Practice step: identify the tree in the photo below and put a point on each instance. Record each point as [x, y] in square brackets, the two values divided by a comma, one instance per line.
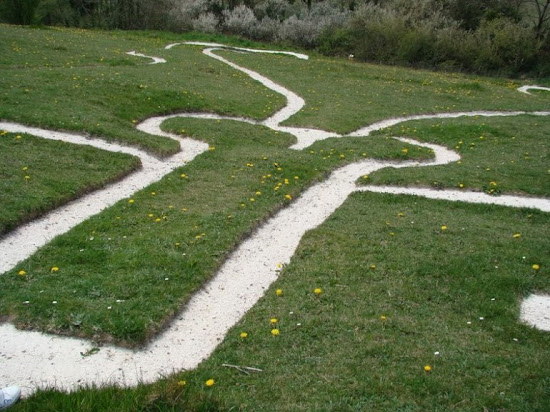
[19, 11]
[542, 18]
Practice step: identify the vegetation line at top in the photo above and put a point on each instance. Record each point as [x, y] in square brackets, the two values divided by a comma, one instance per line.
[503, 37]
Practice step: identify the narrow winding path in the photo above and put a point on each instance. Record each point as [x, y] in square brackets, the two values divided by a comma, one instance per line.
[34, 359]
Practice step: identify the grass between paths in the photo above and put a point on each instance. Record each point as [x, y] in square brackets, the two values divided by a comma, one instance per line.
[344, 96]
[498, 155]
[377, 256]
[124, 273]
[84, 81]
[398, 293]
[38, 175]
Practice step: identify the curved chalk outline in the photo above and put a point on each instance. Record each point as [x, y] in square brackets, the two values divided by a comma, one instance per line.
[237, 286]
[156, 60]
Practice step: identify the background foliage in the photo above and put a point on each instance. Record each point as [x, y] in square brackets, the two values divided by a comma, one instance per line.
[505, 37]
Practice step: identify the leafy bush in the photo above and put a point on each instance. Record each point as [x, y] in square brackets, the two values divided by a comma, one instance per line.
[207, 23]
[505, 45]
[305, 30]
[56, 12]
[337, 42]
[377, 32]
[240, 20]
[278, 10]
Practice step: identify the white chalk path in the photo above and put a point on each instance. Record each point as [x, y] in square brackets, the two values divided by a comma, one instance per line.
[34, 359]
[156, 60]
[525, 89]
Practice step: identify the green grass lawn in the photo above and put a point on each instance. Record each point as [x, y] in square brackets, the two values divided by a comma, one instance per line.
[377, 256]
[38, 175]
[499, 155]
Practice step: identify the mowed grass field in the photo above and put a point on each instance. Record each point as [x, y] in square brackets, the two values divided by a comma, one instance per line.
[399, 292]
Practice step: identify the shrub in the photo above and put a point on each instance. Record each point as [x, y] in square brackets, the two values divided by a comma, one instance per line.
[505, 46]
[240, 20]
[306, 30]
[186, 12]
[266, 29]
[416, 47]
[377, 32]
[56, 12]
[207, 23]
[337, 42]
[278, 10]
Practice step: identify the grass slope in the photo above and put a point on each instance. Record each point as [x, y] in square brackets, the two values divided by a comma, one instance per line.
[378, 255]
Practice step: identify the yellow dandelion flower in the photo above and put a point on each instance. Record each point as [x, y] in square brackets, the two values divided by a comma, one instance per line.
[211, 148]
[288, 197]
[365, 177]
[444, 227]
[252, 199]
[279, 292]
[150, 215]
[536, 267]
[21, 273]
[258, 193]
[131, 201]
[210, 382]
[55, 269]
[183, 176]
[273, 321]
[18, 136]
[317, 291]
[405, 150]
[461, 185]
[243, 335]
[516, 235]
[27, 177]
[275, 332]
[383, 318]
[182, 383]
[373, 267]
[427, 368]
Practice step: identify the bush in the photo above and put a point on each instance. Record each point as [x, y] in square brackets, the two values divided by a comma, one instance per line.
[240, 20]
[56, 12]
[266, 30]
[278, 10]
[505, 46]
[207, 23]
[337, 42]
[377, 33]
[416, 47]
[306, 30]
[186, 12]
